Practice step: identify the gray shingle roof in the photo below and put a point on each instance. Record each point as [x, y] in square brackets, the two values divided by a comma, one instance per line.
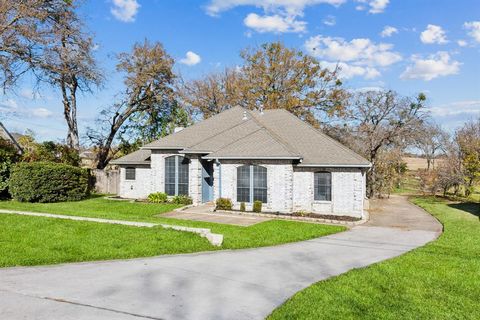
[272, 134]
[137, 157]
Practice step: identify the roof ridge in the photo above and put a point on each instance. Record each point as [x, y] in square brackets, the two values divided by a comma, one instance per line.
[325, 135]
[193, 125]
[275, 136]
[221, 132]
[233, 142]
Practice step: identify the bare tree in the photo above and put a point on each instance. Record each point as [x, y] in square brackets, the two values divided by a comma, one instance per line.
[377, 122]
[24, 27]
[47, 38]
[430, 140]
[148, 88]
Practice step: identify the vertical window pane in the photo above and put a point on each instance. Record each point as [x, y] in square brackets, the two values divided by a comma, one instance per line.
[260, 184]
[243, 184]
[129, 173]
[182, 176]
[323, 186]
[170, 175]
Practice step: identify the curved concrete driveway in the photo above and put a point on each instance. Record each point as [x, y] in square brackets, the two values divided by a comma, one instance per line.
[244, 284]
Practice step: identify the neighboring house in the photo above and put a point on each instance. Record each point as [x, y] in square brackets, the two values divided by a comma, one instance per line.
[249, 155]
[12, 138]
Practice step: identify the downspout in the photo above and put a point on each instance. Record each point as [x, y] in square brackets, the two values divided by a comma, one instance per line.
[219, 165]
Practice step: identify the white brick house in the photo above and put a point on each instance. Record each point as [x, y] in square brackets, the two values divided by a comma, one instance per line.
[246, 156]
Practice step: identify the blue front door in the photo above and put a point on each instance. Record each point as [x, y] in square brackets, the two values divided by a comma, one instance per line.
[207, 181]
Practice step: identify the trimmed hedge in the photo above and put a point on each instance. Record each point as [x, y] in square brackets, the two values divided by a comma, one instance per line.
[223, 204]
[157, 197]
[257, 206]
[48, 182]
[182, 199]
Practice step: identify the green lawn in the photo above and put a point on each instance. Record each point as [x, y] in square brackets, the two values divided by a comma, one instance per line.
[438, 281]
[27, 241]
[263, 234]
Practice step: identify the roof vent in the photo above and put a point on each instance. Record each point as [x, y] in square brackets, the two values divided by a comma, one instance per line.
[245, 115]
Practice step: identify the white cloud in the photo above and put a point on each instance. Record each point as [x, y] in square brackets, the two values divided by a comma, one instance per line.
[436, 65]
[473, 28]
[358, 57]
[274, 23]
[376, 6]
[278, 15]
[388, 31]
[348, 71]
[191, 59]
[469, 107]
[28, 94]
[433, 34]
[329, 21]
[462, 43]
[42, 113]
[11, 107]
[125, 10]
[293, 7]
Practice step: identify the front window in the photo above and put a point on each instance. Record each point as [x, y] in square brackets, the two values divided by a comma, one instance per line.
[130, 173]
[251, 183]
[176, 175]
[323, 186]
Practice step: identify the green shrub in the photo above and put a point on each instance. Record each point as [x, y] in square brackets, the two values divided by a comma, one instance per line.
[182, 199]
[242, 207]
[257, 206]
[48, 182]
[157, 197]
[8, 156]
[223, 204]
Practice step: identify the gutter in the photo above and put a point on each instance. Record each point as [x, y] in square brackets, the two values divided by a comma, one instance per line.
[161, 148]
[335, 165]
[252, 158]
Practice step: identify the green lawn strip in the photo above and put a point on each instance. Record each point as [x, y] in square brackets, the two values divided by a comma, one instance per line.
[438, 281]
[27, 241]
[267, 233]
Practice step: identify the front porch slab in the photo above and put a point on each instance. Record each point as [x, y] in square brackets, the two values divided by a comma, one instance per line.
[204, 213]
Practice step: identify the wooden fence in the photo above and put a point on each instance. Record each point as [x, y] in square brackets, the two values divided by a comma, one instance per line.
[107, 181]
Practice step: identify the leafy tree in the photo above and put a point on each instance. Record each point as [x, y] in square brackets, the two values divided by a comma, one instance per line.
[272, 76]
[468, 140]
[211, 94]
[148, 96]
[47, 151]
[8, 156]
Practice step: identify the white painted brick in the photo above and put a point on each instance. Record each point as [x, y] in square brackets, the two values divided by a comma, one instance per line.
[290, 188]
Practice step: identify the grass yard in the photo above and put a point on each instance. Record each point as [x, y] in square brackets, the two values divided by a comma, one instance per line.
[438, 281]
[27, 241]
[267, 233]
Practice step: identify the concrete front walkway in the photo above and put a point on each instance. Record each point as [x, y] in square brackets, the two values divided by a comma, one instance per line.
[229, 218]
[242, 284]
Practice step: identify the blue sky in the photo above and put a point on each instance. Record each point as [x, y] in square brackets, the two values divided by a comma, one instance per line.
[411, 46]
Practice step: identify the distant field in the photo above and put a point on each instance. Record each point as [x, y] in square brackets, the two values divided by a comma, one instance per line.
[414, 163]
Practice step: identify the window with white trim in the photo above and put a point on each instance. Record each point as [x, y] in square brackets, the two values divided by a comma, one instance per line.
[176, 175]
[323, 186]
[251, 183]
